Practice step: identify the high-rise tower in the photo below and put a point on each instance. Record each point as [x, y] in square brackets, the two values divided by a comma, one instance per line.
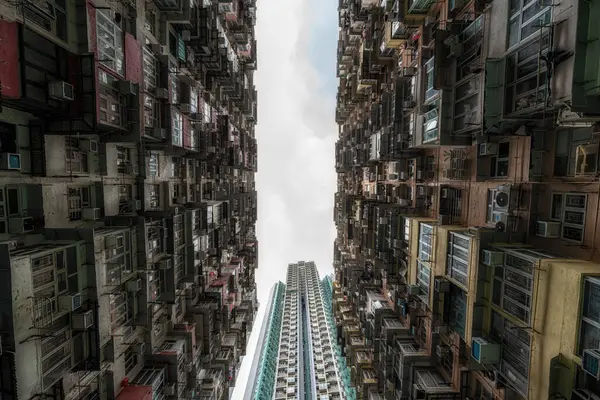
[297, 356]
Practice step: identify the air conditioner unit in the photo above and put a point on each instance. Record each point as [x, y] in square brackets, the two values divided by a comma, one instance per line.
[485, 353]
[134, 285]
[409, 104]
[185, 108]
[392, 177]
[409, 71]
[20, 225]
[547, 229]
[413, 290]
[132, 169]
[126, 87]
[493, 258]
[135, 205]
[10, 161]
[442, 351]
[441, 285]
[159, 49]
[159, 133]
[161, 93]
[488, 149]
[82, 321]
[419, 175]
[88, 145]
[165, 264]
[421, 190]
[91, 214]
[113, 241]
[70, 302]
[591, 362]
[404, 202]
[169, 389]
[383, 220]
[441, 329]
[402, 176]
[139, 348]
[445, 193]
[61, 90]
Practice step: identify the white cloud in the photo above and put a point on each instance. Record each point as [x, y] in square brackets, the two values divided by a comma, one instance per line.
[296, 133]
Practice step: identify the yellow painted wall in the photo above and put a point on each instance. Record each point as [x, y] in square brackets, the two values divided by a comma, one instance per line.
[556, 323]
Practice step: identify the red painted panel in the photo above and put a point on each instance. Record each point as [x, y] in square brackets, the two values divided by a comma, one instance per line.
[92, 34]
[187, 137]
[74, 73]
[134, 68]
[133, 59]
[9, 59]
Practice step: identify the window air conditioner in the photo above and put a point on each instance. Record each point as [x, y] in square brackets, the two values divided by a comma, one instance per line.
[113, 241]
[20, 225]
[159, 133]
[134, 285]
[488, 149]
[88, 145]
[82, 321]
[165, 264]
[161, 93]
[158, 49]
[591, 362]
[441, 285]
[91, 214]
[169, 389]
[185, 108]
[126, 87]
[61, 90]
[139, 348]
[413, 290]
[493, 258]
[135, 205]
[70, 302]
[485, 353]
[547, 229]
[10, 161]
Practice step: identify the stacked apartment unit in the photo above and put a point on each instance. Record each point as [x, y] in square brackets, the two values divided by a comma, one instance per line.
[466, 262]
[127, 197]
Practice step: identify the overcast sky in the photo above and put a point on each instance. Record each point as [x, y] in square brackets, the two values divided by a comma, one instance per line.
[296, 132]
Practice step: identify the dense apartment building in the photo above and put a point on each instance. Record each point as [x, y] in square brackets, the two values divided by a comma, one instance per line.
[466, 262]
[297, 356]
[127, 197]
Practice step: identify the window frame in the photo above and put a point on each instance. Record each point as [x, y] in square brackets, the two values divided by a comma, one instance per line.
[564, 209]
[114, 41]
[112, 99]
[517, 14]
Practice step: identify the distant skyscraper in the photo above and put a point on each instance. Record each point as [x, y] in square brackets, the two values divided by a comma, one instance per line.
[297, 356]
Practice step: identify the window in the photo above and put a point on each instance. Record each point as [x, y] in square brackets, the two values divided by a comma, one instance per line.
[565, 150]
[516, 351]
[174, 83]
[153, 164]
[499, 163]
[430, 91]
[590, 316]
[527, 17]
[150, 21]
[176, 127]
[457, 266]
[425, 242]
[50, 15]
[150, 71]
[125, 194]
[76, 160]
[406, 229]
[512, 287]
[526, 77]
[110, 43]
[123, 159]
[423, 278]
[13, 201]
[118, 311]
[110, 100]
[570, 208]
[130, 359]
[154, 193]
[75, 203]
[151, 112]
[430, 126]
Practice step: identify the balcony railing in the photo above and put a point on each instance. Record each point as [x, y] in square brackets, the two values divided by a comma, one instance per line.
[419, 6]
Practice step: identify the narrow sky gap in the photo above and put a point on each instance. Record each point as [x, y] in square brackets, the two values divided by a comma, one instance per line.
[296, 132]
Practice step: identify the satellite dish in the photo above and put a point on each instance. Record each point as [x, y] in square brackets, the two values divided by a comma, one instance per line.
[502, 199]
[500, 226]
